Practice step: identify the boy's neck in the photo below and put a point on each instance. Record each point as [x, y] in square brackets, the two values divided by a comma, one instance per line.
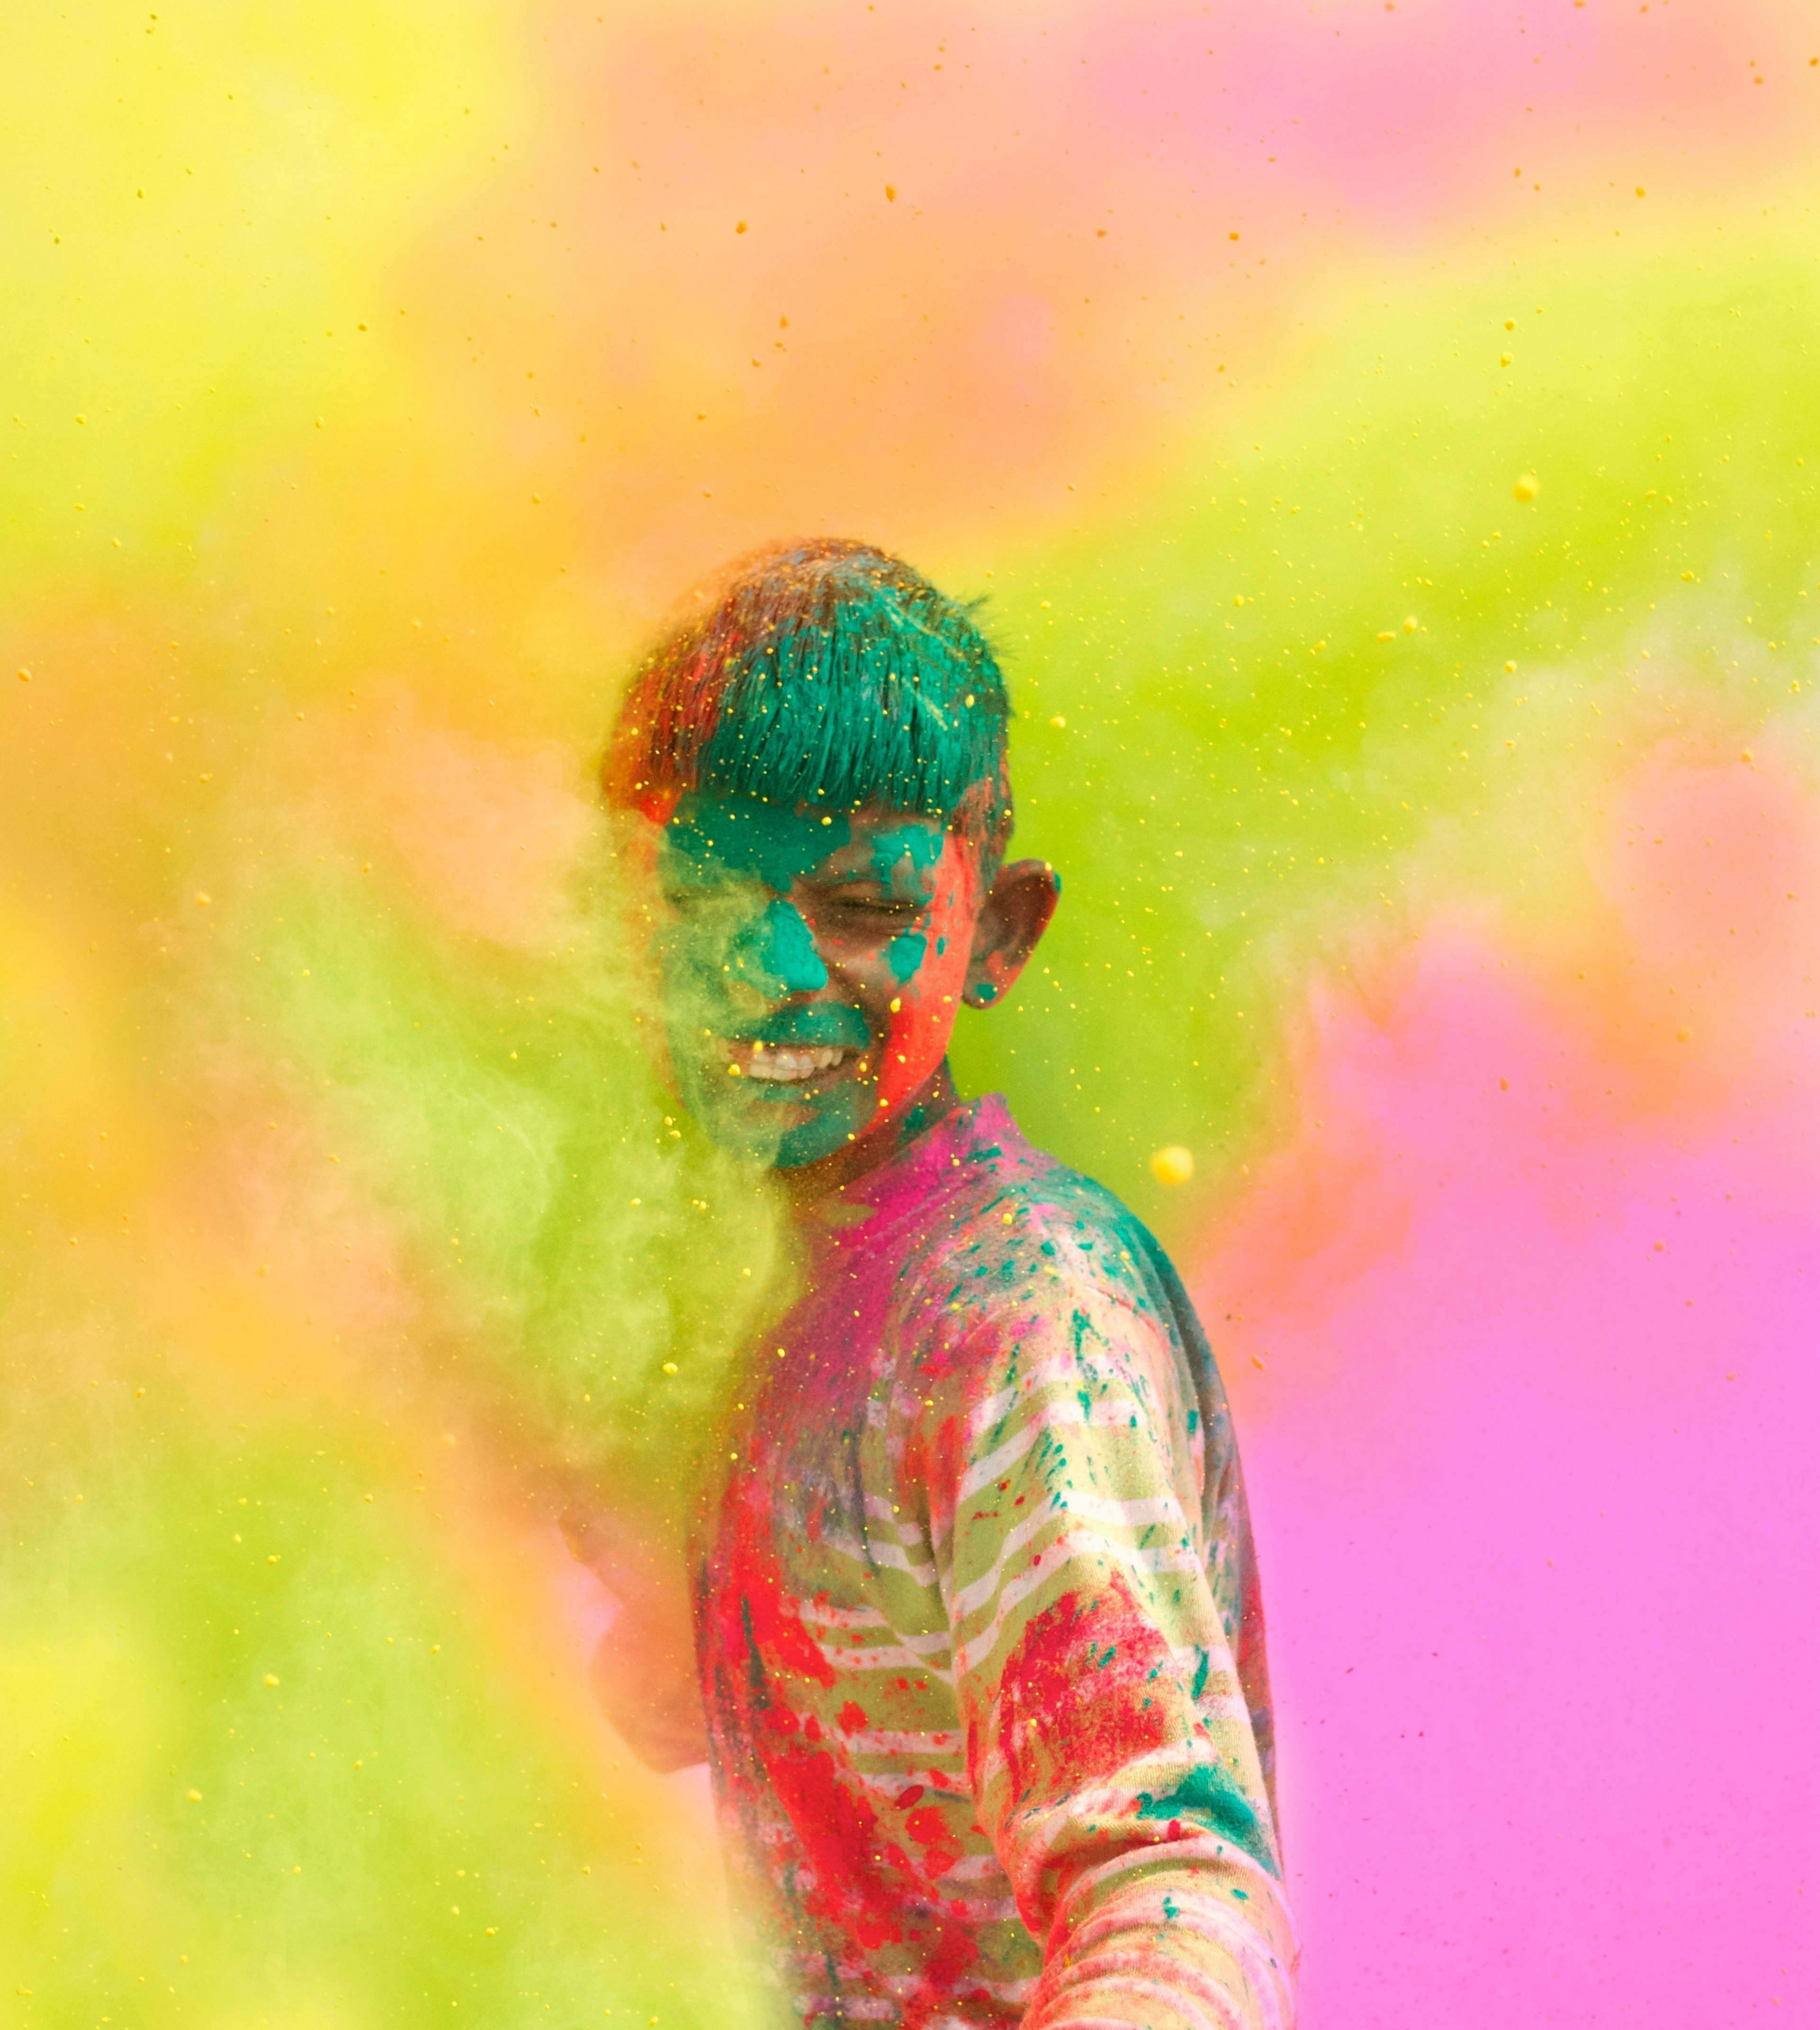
[813, 1184]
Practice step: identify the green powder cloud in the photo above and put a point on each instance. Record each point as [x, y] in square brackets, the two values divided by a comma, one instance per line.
[1396, 624]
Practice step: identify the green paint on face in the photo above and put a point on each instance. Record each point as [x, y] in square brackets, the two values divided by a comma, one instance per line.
[739, 953]
[737, 942]
[713, 840]
[830, 1127]
[904, 857]
[776, 955]
[904, 955]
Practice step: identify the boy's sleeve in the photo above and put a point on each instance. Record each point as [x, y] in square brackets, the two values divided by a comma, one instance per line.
[1109, 1746]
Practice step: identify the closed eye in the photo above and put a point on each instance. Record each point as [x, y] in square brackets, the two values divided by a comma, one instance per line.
[868, 907]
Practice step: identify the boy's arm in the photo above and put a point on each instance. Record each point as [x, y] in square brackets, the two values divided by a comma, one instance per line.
[1109, 1746]
[643, 1671]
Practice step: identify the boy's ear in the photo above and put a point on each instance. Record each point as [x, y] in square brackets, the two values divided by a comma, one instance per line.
[1012, 916]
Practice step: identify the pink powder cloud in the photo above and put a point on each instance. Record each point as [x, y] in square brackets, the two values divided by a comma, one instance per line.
[1536, 1288]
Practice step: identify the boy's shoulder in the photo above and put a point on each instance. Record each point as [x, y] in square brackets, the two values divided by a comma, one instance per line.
[1010, 1230]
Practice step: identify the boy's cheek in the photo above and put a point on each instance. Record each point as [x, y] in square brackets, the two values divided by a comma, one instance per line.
[684, 974]
[932, 976]
[921, 1024]
[697, 954]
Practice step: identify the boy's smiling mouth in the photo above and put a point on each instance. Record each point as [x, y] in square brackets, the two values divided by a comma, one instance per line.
[793, 1067]
[783, 1064]
[800, 1053]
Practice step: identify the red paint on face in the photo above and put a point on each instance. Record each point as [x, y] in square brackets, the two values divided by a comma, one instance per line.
[930, 999]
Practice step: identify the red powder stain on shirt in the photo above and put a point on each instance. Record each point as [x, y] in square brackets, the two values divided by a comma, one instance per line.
[854, 1881]
[936, 1460]
[946, 1958]
[756, 1614]
[856, 1876]
[861, 1880]
[1082, 1674]
[931, 1830]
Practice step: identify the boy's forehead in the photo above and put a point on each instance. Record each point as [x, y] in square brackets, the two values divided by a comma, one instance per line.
[750, 837]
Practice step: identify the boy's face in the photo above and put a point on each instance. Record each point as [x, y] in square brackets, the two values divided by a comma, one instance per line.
[813, 963]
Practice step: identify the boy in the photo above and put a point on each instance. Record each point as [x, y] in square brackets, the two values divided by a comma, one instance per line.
[977, 1626]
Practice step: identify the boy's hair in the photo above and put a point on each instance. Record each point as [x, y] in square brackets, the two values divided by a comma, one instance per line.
[822, 672]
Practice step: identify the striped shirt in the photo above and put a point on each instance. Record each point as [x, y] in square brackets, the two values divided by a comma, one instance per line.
[978, 1625]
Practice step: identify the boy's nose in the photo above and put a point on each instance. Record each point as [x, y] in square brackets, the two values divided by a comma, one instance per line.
[776, 953]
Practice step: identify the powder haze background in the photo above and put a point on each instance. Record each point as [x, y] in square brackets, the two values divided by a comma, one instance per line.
[1386, 439]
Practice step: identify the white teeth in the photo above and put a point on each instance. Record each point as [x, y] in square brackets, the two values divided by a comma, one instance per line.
[787, 1066]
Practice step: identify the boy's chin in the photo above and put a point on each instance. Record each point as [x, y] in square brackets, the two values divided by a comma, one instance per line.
[790, 1135]
[838, 1129]
[815, 1140]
